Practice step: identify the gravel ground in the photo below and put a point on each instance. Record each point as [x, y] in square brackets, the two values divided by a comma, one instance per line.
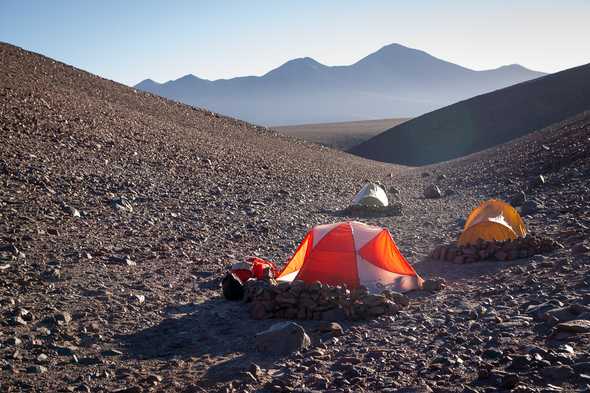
[120, 211]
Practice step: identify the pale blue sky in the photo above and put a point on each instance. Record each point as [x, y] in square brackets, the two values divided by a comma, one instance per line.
[129, 41]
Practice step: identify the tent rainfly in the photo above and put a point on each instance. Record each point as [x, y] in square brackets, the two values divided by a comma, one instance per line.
[354, 254]
[492, 220]
[371, 195]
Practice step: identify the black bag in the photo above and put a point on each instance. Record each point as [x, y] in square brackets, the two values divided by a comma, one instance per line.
[232, 286]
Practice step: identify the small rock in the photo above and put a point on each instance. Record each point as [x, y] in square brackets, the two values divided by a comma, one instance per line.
[580, 248]
[537, 181]
[432, 192]
[557, 373]
[582, 367]
[121, 204]
[111, 352]
[81, 388]
[433, 284]
[18, 320]
[398, 298]
[14, 341]
[530, 207]
[62, 318]
[520, 362]
[137, 298]
[122, 260]
[509, 381]
[575, 326]
[248, 378]
[414, 389]
[71, 211]
[42, 358]
[493, 353]
[52, 274]
[36, 369]
[372, 300]
[153, 379]
[11, 248]
[255, 370]
[131, 389]
[332, 327]
[518, 199]
[89, 360]
[65, 350]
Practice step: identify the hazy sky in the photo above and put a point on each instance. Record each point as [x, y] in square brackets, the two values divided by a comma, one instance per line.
[129, 41]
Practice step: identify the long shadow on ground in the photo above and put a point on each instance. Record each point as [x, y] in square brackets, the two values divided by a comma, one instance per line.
[215, 331]
[214, 327]
[219, 333]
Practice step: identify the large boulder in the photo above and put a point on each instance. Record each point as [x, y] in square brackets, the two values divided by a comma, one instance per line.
[282, 338]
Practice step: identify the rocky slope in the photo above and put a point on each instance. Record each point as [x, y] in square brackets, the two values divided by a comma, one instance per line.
[119, 212]
[484, 121]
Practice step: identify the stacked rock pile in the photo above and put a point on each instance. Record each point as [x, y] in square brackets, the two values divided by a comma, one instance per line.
[495, 250]
[394, 209]
[298, 300]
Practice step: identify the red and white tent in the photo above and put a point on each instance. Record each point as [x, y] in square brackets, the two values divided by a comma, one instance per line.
[354, 254]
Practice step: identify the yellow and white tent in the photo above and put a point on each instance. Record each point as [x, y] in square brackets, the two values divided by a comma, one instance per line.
[492, 220]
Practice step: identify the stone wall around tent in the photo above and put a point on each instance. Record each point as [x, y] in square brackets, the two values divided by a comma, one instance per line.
[495, 250]
[298, 300]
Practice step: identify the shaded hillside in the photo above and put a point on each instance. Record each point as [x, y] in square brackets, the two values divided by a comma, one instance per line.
[395, 81]
[484, 121]
[340, 136]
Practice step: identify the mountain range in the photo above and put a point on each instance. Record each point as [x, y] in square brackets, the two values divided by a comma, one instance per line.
[395, 81]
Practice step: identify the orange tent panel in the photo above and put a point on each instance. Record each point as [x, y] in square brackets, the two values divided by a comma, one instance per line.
[380, 251]
[298, 258]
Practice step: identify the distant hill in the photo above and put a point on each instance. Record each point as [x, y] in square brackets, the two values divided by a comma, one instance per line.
[484, 121]
[395, 81]
[343, 135]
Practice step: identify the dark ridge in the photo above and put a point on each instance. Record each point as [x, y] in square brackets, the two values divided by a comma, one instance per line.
[483, 121]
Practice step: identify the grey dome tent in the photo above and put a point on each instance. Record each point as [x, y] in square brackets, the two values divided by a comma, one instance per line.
[371, 195]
